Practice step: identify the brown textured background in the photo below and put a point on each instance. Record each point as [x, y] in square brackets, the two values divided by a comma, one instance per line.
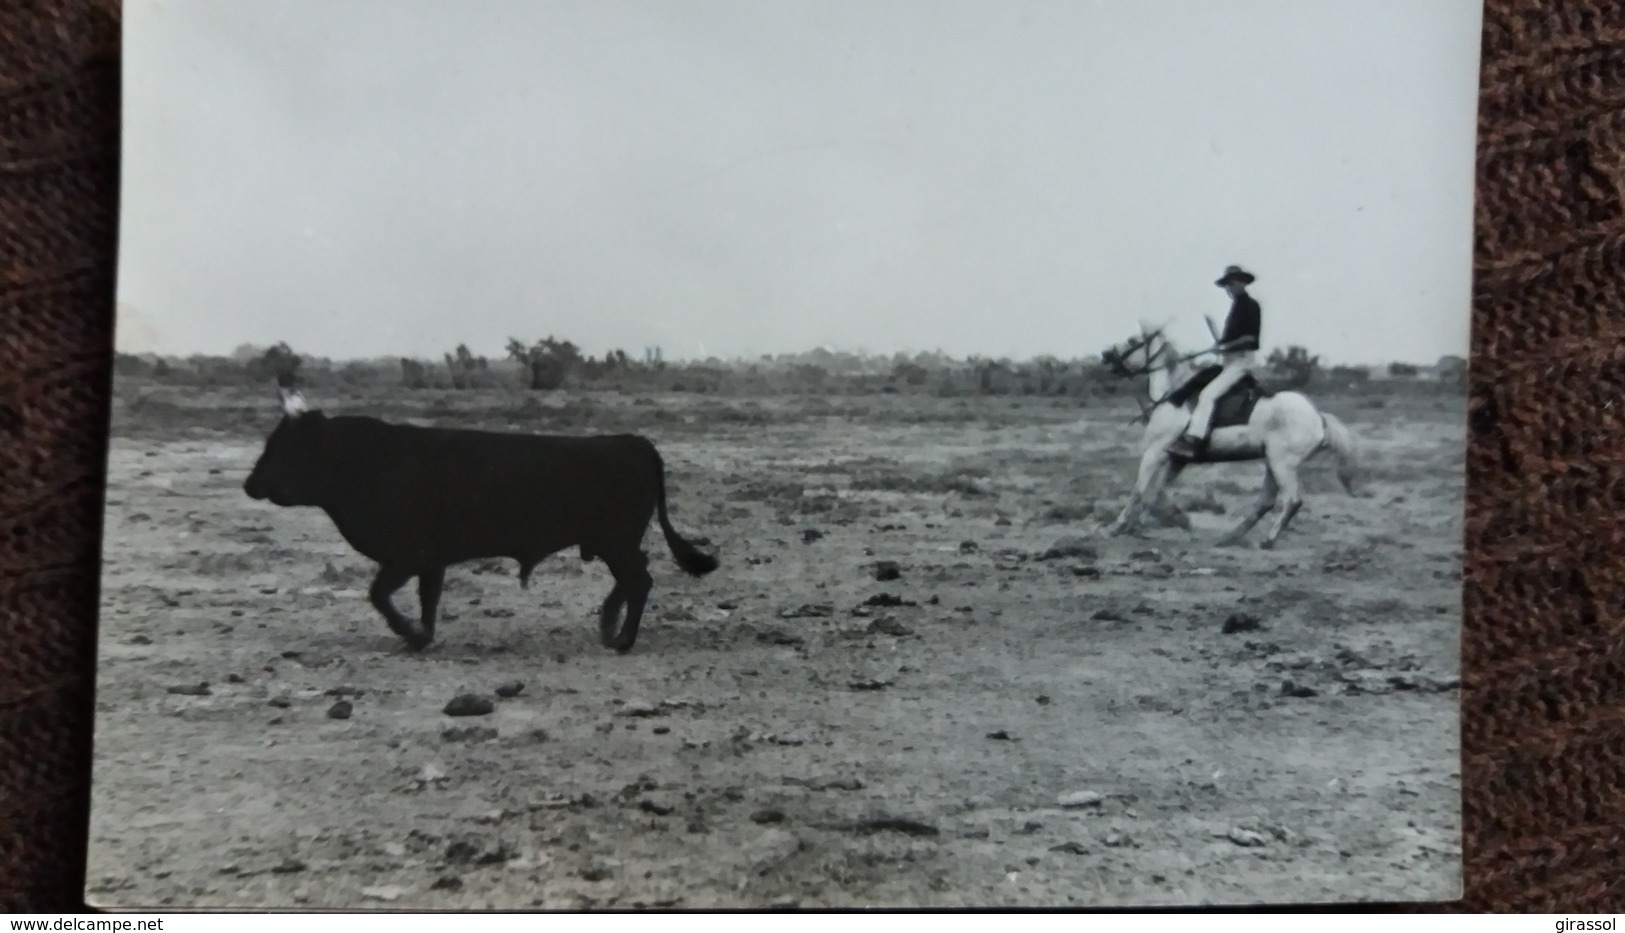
[1543, 699]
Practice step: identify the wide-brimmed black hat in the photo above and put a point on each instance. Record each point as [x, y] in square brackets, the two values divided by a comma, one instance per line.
[1235, 274]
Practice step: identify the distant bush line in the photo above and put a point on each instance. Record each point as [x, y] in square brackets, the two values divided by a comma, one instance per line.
[553, 365]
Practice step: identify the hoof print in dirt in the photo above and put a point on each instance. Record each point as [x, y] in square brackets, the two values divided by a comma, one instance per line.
[191, 690]
[468, 734]
[469, 704]
[447, 883]
[1080, 799]
[657, 807]
[888, 570]
[1002, 736]
[767, 816]
[810, 535]
[1071, 848]
[596, 873]
[279, 702]
[780, 637]
[340, 710]
[969, 547]
[510, 689]
[1070, 547]
[1293, 689]
[288, 866]
[1238, 622]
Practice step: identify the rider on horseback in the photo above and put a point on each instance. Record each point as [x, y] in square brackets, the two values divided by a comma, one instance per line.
[1236, 346]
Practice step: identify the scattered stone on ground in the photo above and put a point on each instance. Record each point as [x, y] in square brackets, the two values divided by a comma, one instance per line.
[1071, 547]
[1246, 838]
[1079, 799]
[469, 704]
[886, 625]
[1240, 622]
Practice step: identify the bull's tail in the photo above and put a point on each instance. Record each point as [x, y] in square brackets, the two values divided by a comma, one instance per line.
[1341, 442]
[693, 560]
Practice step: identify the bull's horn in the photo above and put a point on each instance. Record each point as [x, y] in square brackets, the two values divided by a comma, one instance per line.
[292, 402]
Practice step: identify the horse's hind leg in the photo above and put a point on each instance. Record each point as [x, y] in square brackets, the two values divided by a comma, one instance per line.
[1286, 473]
[1266, 501]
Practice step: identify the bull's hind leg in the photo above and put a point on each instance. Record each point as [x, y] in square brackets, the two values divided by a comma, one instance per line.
[609, 617]
[384, 585]
[632, 586]
[430, 585]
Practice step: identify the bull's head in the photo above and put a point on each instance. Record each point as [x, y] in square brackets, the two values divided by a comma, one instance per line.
[290, 468]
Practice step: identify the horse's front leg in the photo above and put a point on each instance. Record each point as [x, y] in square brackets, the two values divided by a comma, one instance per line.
[1146, 485]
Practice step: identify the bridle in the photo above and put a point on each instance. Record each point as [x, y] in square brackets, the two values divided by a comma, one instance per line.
[1154, 348]
[1154, 345]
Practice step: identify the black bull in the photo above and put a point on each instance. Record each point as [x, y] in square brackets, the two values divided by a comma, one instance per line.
[417, 500]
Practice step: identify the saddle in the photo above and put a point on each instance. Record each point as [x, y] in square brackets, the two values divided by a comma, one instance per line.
[1234, 408]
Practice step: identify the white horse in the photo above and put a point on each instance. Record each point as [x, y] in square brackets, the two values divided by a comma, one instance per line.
[1284, 429]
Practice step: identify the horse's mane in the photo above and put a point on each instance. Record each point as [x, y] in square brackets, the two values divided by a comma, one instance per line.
[1169, 361]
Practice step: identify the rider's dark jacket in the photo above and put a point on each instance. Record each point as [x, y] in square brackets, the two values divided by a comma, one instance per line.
[1243, 323]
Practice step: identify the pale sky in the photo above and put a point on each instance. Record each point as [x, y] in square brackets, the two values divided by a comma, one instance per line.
[735, 177]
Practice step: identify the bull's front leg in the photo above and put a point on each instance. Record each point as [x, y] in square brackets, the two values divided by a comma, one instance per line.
[384, 585]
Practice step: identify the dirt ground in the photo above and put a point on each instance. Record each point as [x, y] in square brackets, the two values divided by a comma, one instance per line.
[773, 739]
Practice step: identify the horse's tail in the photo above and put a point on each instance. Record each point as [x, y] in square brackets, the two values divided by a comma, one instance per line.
[1341, 441]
